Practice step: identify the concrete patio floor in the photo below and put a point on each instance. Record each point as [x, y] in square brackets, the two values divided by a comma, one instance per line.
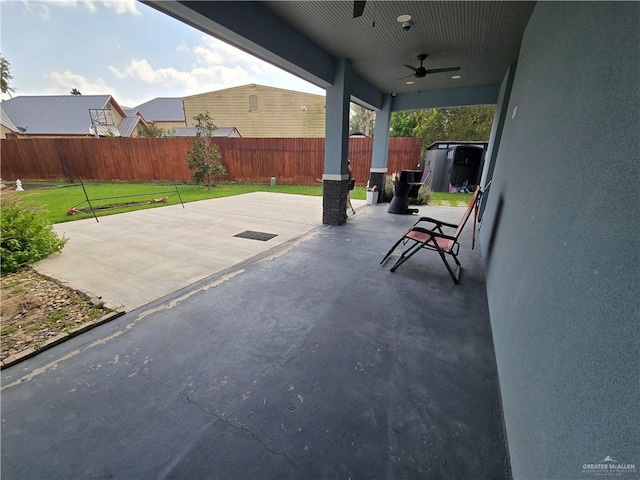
[131, 259]
[309, 360]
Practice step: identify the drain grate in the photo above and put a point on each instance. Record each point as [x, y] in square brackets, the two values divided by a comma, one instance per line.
[262, 236]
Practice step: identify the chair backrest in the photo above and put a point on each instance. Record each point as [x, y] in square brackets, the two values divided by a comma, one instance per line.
[467, 214]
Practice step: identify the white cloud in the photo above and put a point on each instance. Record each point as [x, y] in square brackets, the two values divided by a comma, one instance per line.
[63, 83]
[40, 8]
[215, 65]
[121, 7]
[196, 80]
[211, 50]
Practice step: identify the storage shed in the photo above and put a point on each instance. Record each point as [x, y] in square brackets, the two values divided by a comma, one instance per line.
[452, 163]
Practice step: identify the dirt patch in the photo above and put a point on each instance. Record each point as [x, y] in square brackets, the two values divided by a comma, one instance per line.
[36, 308]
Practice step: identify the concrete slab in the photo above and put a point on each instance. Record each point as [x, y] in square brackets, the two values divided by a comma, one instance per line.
[318, 363]
[131, 259]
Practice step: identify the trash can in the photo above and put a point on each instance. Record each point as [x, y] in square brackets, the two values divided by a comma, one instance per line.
[372, 198]
[273, 181]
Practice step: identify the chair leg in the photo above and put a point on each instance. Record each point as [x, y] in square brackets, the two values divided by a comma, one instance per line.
[411, 251]
[349, 202]
[395, 245]
[454, 276]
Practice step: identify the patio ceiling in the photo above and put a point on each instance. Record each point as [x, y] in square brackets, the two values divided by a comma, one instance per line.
[305, 38]
[482, 38]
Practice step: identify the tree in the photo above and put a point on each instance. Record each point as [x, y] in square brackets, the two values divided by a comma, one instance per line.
[204, 158]
[150, 130]
[404, 123]
[456, 124]
[75, 91]
[5, 76]
[444, 124]
[362, 120]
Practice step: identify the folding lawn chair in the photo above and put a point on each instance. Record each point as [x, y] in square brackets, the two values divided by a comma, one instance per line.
[352, 185]
[421, 236]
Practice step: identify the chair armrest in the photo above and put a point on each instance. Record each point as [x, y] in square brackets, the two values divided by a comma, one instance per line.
[434, 233]
[436, 222]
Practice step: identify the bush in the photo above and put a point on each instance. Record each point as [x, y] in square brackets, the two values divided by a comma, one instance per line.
[387, 195]
[423, 198]
[26, 236]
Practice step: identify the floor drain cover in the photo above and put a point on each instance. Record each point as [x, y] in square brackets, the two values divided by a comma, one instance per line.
[262, 236]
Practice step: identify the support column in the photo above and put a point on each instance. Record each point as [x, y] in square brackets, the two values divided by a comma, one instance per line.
[336, 178]
[378, 173]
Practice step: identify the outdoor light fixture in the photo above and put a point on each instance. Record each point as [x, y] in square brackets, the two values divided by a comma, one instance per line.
[406, 22]
[456, 77]
[410, 82]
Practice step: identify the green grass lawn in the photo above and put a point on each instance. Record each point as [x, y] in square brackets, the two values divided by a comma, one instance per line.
[55, 202]
[445, 198]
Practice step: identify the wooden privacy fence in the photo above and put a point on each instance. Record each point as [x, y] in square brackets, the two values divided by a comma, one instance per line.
[247, 160]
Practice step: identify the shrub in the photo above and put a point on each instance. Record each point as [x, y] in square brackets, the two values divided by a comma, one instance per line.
[423, 198]
[387, 195]
[26, 236]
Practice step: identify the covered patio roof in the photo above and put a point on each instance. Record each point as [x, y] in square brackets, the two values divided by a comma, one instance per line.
[482, 38]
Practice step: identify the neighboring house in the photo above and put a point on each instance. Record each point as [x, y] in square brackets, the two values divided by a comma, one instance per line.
[70, 116]
[165, 112]
[8, 129]
[219, 132]
[259, 111]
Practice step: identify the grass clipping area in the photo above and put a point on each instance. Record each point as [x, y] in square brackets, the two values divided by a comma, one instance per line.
[36, 308]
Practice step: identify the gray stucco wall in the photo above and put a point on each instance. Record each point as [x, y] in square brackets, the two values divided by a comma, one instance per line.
[560, 240]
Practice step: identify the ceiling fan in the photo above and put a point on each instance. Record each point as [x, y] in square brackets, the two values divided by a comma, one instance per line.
[421, 72]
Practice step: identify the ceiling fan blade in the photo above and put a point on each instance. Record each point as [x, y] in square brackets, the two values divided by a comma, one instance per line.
[415, 69]
[407, 76]
[358, 9]
[442, 70]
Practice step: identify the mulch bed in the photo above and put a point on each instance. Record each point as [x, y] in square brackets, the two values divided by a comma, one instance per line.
[36, 308]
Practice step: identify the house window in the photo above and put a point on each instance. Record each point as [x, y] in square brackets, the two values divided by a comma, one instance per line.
[253, 103]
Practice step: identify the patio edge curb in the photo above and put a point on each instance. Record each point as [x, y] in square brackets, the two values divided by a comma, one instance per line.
[58, 339]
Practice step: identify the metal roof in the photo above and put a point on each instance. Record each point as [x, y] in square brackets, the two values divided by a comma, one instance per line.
[224, 131]
[131, 112]
[128, 125]
[106, 131]
[162, 109]
[56, 114]
[6, 121]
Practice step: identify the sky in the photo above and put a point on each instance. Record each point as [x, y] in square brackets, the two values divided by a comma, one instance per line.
[123, 48]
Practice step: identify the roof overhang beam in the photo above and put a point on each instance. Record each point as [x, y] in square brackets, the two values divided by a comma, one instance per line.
[450, 97]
